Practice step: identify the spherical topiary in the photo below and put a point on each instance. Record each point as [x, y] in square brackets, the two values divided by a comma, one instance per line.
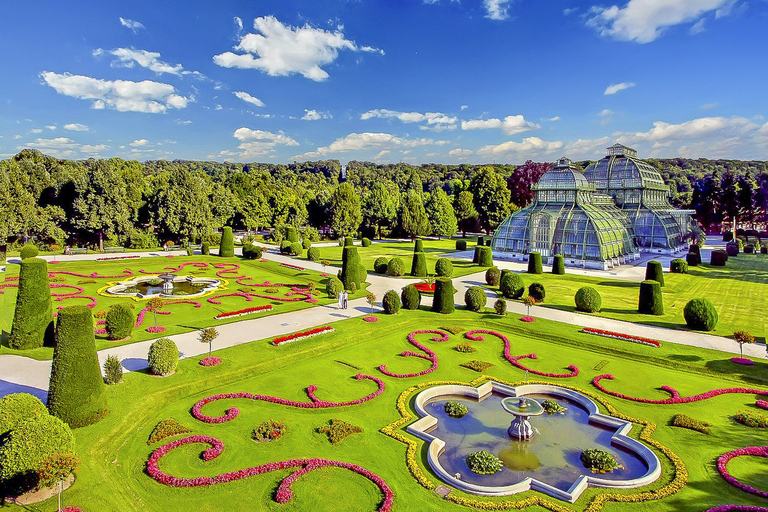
[352, 270]
[485, 257]
[227, 246]
[475, 298]
[313, 254]
[291, 235]
[749, 249]
[492, 276]
[727, 236]
[443, 267]
[511, 286]
[391, 302]
[396, 267]
[18, 407]
[380, 265]
[163, 357]
[558, 265]
[537, 291]
[718, 258]
[333, 287]
[33, 317]
[480, 241]
[443, 299]
[700, 315]
[76, 393]
[119, 321]
[588, 299]
[693, 259]
[654, 272]
[678, 266]
[348, 241]
[419, 264]
[500, 306]
[732, 249]
[461, 245]
[295, 249]
[205, 248]
[534, 263]
[306, 243]
[650, 301]
[418, 246]
[411, 297]
[28, 251]
[366, 242]
[285, 246]
[251, 252]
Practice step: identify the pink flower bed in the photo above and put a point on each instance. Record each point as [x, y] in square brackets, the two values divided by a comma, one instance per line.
[94, 275]
[290, 338]
[64, 285]
[722, 467]
[762, 404]
[371, 319]
[54, 262]
[738, 508]
[65, 297]
[100, 332]
[155, 330]
[214, 299]
[246, 311]
[742, 360]
[143, 313]
[324, 275]
[428, 354]
[284, 492]
[292, 267]
[228, 268]
[676, 398]
[118, 258]
[101, 322]
[210, 361]
[527, 319]
[623, 337]
[262, 260]
[475, 335]
[70, 508]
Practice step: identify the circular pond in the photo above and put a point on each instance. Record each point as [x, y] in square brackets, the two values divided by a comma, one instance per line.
[177, 286]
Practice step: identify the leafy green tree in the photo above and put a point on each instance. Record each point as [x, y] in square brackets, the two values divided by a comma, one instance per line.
[344, 210]
[491, 197]
[380, 207]
[413, 216]
[441, 214]
[207, 335]
[466, 215]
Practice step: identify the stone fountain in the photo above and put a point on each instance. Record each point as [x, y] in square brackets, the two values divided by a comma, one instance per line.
[522, 408]
[167, 282]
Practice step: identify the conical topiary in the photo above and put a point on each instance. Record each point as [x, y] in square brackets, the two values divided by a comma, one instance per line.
[351, 268]
[227, 247]
[650, 301]
[558, 265]
[33, 317]
[443, 299]
[419, 245]
[654, 272]
[419, 264]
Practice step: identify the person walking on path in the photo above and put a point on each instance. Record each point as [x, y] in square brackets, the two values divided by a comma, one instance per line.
[346, 300]
[341, 299]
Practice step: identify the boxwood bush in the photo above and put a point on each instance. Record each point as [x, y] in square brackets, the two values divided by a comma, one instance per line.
[749, 249]
[205, 248]
[163, 357]
[295, 249]
[476, 254]
[700, 315]
[352, 271]
[411, 297]
[28, 251]
[537, 291]
[33, 316]
[419, 264]
[727, 236]
[391, 302]
[396, 267]
[678, 266]
[492, 276]
[718, 258]
[333, 287]
[475, 298]
[380, 265]
[443, 267]
[366, 242]
[461, 245]
[285, 246]
[348, 241]
[290, 234]
[732, 249]
[227, 247]
[485, 257]
[558, 265]
[588, 299]
[693, 259]
[650, 301]
[500, 306]
[418, 245]
[654, 272]
[18, 407]
[252, 252]
[119, 321]
[306, 243]
[534, 263]
[313, 254]
[480, 241]
[443, 299]
[511, 286]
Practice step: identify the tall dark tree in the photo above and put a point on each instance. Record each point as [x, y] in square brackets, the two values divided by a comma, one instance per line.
[491, 197]
[705, 200]
[522, 181]
[466, 215]
[413, 216]
[344, 210]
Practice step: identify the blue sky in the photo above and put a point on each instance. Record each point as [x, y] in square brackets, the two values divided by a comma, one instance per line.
[417, 81]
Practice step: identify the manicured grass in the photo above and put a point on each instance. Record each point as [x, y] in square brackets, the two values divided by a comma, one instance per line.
[114, 451]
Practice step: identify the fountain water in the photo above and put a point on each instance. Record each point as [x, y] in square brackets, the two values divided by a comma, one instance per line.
[522, 408]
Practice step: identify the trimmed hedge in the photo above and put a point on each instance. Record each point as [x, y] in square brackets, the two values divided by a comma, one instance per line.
[285, 246]
[493, 276]
[534, 263]
[380, 265]
[411, 297]
[28, 251]
[348, 241]
[511, 285]
[650, 301]
[693, 259]
[461, 245]
[18, 407]
[749, 249]
[313, 254]
[700, 315]
[366, 242]
[419, 265]
[205, 248]
[76, 392]
[443, 300]
[732, 249]
[227, 247]
[418, 246]
[295, 249]
[727, 236]
[480, 241]
[333, 287]
[537, 291]
[718, 258]
[695, 249]
[119, 321]
[485, 257]
[33, 316]
[291, 234]
[476, 255]
[396, 267]
[163, 357]
[352, 271]
[558, 265]
[500, 306]
[654, 272]
[475, 298]
[678, 266]
[391, 302]
[443, 267]
[588, 299]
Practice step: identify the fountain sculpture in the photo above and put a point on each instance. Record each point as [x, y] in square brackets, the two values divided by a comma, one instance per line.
[522, 408]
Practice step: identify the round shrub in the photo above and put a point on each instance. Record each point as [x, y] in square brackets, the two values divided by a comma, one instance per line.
[475, 298]
[285, 246]
[419, 265]
[537, 291]
[333, 287]
[33, 316]
[727, 236]
[290, 234]
[443, 299]
[306, 243]
[443, 267]
[163, 357]
[391, 302]
[732, 249]
[461, 245]
[455, 409]
[558, 265]
[418, 246]
[313, 254]
[763, 250]
[190, 251]
[749, 249]
[76, 392]
[718, 258]
[588, 299]
[411, 297]
[678, 266]
[205, 248]
[693, 259]
[493, 276]
[119, 321]
[534, 263]
[598, 461]
[295, 249]
[380, 265]
[252, 252]
[227, 247]
[511, 286]
[500, 306]
[480, 241]
[700, 315]
[28, 251]
[654, 272]
[484, 463]
[366, 242]
[485, 257]
[348, 241]
[18, 407]
[396, 267]
[650, 301]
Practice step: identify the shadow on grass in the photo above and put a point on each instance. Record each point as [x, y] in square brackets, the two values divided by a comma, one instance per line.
[748, 373]
[619, 284]
[681, 357]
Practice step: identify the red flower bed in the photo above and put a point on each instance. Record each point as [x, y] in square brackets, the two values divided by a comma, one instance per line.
[100, 332]
[474, 336]
[425, 287]
[371, 319]
[722, 467]
[620, 336]
[246, 311]
[70, 508]
[64, 285]
[762, 404]
[430, 356]
[527, 319]
[676, 398]
[155, 330]
[738, 508]
[292, 267]
[289, 338]
[742, 360]
[117, 258]
[284, 491]
[210, 361]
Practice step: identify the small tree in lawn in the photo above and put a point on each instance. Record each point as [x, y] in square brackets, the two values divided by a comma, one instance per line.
[371, 298]
[743, 338]
[207, 335]
[154, 305]
[325, 263]
[56, 469]
[529, 301]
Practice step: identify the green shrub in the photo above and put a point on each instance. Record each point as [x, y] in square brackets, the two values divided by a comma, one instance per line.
[380, 265]
[534, 263]
[553, 407]
[700, 315]
[484, 463]
[485, 257]
[366, 242]
[727, 236]
[718, 258]
[33, 316]
[537, 291]
[113, 370]
[119, 321]
[333, 287]
[290, 234]
[418, 245]
[511, 286]
[654, 272]
[476, 255]
[443, 299]
[306, 243]
[598, 461]
[285, 246]
[752, 419]
[678, 266]
[455, 409]
[475, 298]
[588, 299]
[480, 241]
[341, 242]
[352, 271]
[396, 267]
[252, 252]
[190, 251]
[166, 428]
[18, 407]
[338, 430]
[650, 301]
[411, 297]
[391, 302]
[558, 265]
[732, 249]
[313, 254]
[268, 431]
[465, 347]
[419, 265]
[685, 421]
[76, 392]
[492, 276]
[461, 245]
[763, 250]
[295, 249]
[28, 251]
[693, 259]
[227, 247]
[500, 306]
[443, 267]
[205, 248]
[453, 329]
[163, 357]
[478, 366]
[749, 249]
[348, 241]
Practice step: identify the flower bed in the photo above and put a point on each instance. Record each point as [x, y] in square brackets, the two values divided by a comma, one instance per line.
[70, 508]
[156, 330]
[65, 297]
[622, 337]
[430, 356]
[117, 257]
[268, 431]
[292, 267]
[242, 312]
[425, 287]
[527, 319]
[290, 338]
[371, 319]
[762, 404]
[738, 508]
[722, 467]
[100, 332]
[95, 275]
[742, 360]
[676, 398]
[210, 361]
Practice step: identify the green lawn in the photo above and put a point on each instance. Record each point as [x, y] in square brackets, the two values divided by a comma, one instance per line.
[114, 451]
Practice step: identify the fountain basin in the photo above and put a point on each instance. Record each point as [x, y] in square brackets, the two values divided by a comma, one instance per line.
[164, 286]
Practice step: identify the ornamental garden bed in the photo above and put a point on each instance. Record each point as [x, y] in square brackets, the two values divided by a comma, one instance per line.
[622, 337]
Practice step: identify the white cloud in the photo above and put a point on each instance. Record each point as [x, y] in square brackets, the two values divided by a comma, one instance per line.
[698, 27]
[643, 21]
[36, 130]
[605, 116]
[139, 143]
[121, 95]
[131, 24]
[496, 9]
[282, 50]
[460, 152]
[239, 24]
[255, 143]
[614, 88]
[314, 115]
[511, 125]
[383, 152]
[436, 121]
[129, 57]
[568, 12]
[253, 100]
[183, 122]
[368, 141]
[51, 127]
[709, 106]
[464, 107]
[76, 127]
[556, 118]
[219, 107]
[528, 145]
[63, 147]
